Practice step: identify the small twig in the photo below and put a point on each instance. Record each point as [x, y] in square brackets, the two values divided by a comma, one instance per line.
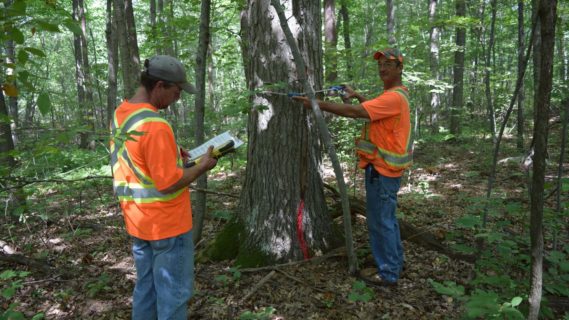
[258, 285]
[54, 279]
[336, 253]
[300, 281]
[215, 192]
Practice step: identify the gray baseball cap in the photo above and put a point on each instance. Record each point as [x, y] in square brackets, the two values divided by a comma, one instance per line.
[169, 69]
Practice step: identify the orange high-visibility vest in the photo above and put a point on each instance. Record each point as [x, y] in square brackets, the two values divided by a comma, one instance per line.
[149, 214]
[393, 154]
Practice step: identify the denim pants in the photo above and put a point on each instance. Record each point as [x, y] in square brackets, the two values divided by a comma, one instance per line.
[164, 277]
[383, 228]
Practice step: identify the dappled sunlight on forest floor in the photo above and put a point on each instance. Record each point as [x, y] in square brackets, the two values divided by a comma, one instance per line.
[94, 272]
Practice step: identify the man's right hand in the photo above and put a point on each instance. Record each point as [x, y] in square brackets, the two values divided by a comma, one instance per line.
[350, 93]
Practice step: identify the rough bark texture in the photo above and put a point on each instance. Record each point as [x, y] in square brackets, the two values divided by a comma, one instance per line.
[283, 155]
[347, 40]
[112, 60]
[199, 201]
[331, 40]
[458, 71]
[390, 23]
[521, 96]
[84, 93]
[488, 74]
[130, 61]
[434, 39]
[547, 15]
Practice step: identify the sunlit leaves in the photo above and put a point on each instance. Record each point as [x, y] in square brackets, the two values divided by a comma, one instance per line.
[16, 35]
[448, 288]
[73, 26]
[22, 57]
[35, 51]
[44, 103]
[47, 26]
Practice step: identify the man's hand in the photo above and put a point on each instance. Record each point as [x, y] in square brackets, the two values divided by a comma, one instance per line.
[208, 161]
[350, 93]
[305, 101]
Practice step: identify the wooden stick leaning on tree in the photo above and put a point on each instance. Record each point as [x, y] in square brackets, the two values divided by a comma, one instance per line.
[324, 134]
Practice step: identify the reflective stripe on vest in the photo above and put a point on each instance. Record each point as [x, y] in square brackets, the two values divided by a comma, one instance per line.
[145, 191]
[393, 159]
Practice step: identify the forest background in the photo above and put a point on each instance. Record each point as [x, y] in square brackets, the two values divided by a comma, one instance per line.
[486, 200]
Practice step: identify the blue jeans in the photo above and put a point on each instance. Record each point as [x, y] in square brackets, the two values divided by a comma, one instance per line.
[383, 228]
[164, 277]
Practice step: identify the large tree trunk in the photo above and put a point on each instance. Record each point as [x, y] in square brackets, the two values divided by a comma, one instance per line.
[434, 39]
[16, 197]
[12, 100]
[130, 60]
[331, 41]
[282, 204]
[199, 200]
[347, 39]
[488, 73]
[521, 95]
[84, 93]
[458, 71]
[536, 56]
[547, 15]
[390, 8]
[112, 59]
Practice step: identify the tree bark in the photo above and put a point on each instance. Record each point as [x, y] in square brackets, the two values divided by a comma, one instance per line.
[12, 100]
[547, 15]
[112, 60]
[128, 46]
[521, 95]
[390, 8]
[84, 93]
[199, 203]
[434, 38]
[282, 203]
[458, 71]
[488, 73]
[331, 41]
[347, 39]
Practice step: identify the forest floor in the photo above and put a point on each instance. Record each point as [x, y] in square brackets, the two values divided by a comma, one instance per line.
[93, 273]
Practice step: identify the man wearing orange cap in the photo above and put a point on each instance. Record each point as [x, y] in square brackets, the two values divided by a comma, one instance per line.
[385, 151]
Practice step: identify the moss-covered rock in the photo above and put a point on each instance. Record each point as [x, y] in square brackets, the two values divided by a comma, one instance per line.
[252, 258]
[226, 244]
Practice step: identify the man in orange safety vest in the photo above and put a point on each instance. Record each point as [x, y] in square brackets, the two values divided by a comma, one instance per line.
[385, 151]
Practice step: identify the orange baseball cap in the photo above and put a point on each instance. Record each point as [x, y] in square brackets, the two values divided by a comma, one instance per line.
[389, 54]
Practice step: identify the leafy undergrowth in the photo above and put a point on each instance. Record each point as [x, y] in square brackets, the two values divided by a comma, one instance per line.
[87, 244]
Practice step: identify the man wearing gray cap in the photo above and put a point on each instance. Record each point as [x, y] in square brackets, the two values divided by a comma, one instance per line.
[151, 184]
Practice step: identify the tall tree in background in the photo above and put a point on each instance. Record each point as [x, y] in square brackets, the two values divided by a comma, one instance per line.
[282, 204]
[128, 46]
[390, 8]
[82, 73]
[434, 38]
[199, 201]
[112, 59]
[488, 70]
[347, 40]
[330, 40]
[536, 57]
[10, 71]
[458, 70]
[547, 16]
[521, 96]
[165, 15]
